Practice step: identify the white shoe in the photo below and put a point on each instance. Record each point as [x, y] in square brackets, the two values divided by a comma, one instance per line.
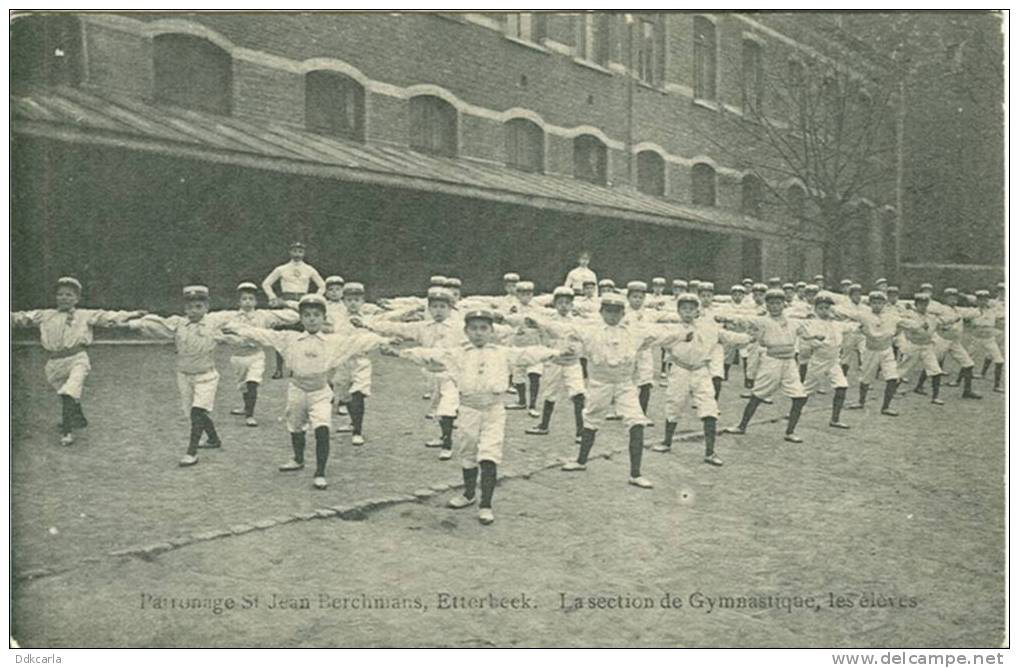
[577, 439]
[642, 482]
[460, 501]
[486, 516]
[533, 413]
[342, 410]
[67, 439]
[344, 429]
[426, 396]
[434, 443]
[292, 465]
[320, 482]
[661, 447]
[188, 460]
[445, 454]
[237, 411]
[357, 439]
[573, 466]
[251, 422]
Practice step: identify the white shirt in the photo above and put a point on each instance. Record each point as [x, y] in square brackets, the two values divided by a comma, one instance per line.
[578, 276]
[294, 277]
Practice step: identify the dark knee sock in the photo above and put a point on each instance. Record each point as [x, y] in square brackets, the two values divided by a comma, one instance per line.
[837, 402]
[583, 367]
[845, 369]
[546, 414]
[446, 426]
[297, 442]
[717, 384]
[794, 414]
[923, 379]
[533, 385]
[67, 416]
[670, 431]
[644, 397]
[636, 449]
[209, 426]
[962, 374]
[998, 368]
[890, 387]
[725, 371]
[521, 389]
[935, 387]
[578, 413]
[356, 410]
[197, 427]
[586, 443]
[470, 482]
[321, 450]
[748, 412]
[710, 429]
[863, 392]
[803, 372]
[987, 365]
[743, 361]
[488, 474]
[966, 375]
[279, 363]
[250, 397]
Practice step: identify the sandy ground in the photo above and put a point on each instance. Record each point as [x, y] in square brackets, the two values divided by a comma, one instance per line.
[891, 534]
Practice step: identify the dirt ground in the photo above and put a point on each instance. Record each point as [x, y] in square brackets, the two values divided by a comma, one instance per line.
[891, 534]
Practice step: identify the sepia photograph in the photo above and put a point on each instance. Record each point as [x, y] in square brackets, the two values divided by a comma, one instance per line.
[509, 329]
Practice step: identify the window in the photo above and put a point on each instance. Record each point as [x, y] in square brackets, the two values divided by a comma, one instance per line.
[590, 159]
[650, 51]
[753, 78]
[593, 44]
[193, 73]
[333, 104]
[703, 178]
[528, 27]
[651, 173]
[753, 195]
[46, 49]
[704, 58]
[433, 125]
[796, 200]
[525, 145]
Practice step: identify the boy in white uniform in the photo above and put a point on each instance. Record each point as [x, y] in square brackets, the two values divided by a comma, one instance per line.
[988, 322]
[479, 369]
[352, 381]
[247, 359]
[526, 381]
[823, 343]
[66, 333]
[951, 332]
[195, 335]
[716, 362]
[295, 278]
[636, 317]
[312, 356]
[920, 345]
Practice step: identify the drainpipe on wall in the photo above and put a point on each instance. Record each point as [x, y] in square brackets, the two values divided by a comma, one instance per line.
[631, 76]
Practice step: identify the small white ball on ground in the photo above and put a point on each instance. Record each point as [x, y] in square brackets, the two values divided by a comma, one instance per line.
[54, 531]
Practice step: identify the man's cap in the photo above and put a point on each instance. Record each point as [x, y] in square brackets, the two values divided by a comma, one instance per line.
[510, 276]
[247, 286]
[334, 280]
[811, 287]
[313, 299]
[525, 286]
[353, 288]
[297, 244]
[982, 293]
[775, 279]
[694, 283]
[819, 279]
[437, 280]
[688, 298]
[453, 282]
[845, 282]
[613, 300]
[196, 292]
[440, 294]
[562, 291]
[801, 284]
[479, 314]
[747, 282]
[881, 281]
[788, 286]
[606, 283]
[636, 286]
[737, 288]
[877, 295]
[951, 291]
[927, 286]
[761, 287]
[706, 285]
[892, 288]
[588, 281]
[69, 281]
[774, 293]
[825, 297]
[678, 283]
[657, 280]
[855, 287]
[921, 297]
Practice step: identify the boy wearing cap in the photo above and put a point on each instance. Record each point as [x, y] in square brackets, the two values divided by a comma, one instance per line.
[439, 331]
[312, 356]
[247, 359]
[751, 353]
[690, 380]
[479, 369]
[525, 380]
[951, 331]
[920, 346]
[637, 317]
[821, 349]
[657, 299]
[195, 335]
[66, 333]
[611, 349]
[294, 278]
[563, 376]
[716, 362]
[776, 337]
[352, 381]
[987, 324]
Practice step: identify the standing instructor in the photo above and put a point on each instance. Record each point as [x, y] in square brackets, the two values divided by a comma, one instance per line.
[294, 278]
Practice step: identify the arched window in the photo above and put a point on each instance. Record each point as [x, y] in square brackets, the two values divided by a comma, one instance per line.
[703, 184]
[433, 125]
[333, 104]
[590, 159]
[193, 73]
[651, 173]
[753, 195]
[525, 145]
[705, 58]
[593, 40]
[753, 77]
[46, 49]
[796, 199]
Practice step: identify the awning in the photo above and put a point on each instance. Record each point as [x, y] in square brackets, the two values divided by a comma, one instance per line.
[84, 115]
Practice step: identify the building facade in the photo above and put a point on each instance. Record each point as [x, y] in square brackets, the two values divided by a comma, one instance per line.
[155, 149]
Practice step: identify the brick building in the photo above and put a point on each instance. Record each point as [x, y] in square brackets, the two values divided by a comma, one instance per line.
[155, 149]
